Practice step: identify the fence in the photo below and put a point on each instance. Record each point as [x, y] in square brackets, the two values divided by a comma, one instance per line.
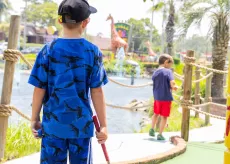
[11, 56]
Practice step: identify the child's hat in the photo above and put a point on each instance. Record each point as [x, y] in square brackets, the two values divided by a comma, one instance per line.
[76, 10]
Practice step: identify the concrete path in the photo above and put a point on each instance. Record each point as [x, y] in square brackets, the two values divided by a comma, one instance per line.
[126, 147]
[212, 133]
[121, 148]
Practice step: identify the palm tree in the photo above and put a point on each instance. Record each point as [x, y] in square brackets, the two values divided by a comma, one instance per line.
[218, 11]
[169, 29]
[4, 5]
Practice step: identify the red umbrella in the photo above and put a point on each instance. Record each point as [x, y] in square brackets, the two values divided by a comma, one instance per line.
[96, 123]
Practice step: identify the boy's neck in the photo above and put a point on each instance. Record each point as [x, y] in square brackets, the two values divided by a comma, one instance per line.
[161, 66]
[71, 34]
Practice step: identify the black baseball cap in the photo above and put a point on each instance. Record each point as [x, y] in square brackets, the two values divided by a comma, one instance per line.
[76, 10]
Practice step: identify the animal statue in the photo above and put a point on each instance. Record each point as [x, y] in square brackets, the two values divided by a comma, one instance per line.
[151, 53]
[116, 41]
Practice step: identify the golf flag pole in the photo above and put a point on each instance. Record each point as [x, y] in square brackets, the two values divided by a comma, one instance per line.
[96, 123]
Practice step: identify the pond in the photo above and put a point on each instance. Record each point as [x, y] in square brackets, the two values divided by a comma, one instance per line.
[119, 121]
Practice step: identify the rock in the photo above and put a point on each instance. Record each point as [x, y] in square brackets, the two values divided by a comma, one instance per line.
[134, 101]
[138, 104]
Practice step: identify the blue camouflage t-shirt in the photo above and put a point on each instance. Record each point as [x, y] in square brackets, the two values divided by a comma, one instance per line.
[67, 69]
[161, 84]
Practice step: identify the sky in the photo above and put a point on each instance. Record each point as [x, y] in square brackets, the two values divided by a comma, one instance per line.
[121, 10]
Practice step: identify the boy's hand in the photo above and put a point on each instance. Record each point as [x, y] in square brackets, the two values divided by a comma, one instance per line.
[175, 88]
[102, 135]
[35, 126]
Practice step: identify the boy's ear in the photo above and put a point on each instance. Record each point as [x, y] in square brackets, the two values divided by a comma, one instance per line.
[85, 23]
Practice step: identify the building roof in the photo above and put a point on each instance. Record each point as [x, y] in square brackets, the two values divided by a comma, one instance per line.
[101, 42]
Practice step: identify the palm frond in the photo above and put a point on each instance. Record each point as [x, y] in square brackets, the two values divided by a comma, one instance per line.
[226, 5]
[3, 5]
[157, 7]
[192, 17]
[192, 3]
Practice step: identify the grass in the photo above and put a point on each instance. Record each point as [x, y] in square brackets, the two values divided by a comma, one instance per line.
[175, 118]
[34, 45]
[20, 142]
[30, 57]
[174, 121]
[1, 64]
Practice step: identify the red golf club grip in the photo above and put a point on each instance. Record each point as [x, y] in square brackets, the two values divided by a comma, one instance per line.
[96, 123]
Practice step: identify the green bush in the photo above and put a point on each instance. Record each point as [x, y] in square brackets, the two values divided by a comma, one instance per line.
[150, 65]
[106, 53]
[110, 66]
[176, 61]
[179, 68]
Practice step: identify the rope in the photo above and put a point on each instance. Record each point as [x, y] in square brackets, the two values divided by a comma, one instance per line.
[207, 114]
[12, 55]
[178, 75]
[202, 99]
[203, 78]
[179, 78]
[186, 103]
[6, 110]
[219, 105]
[127, 108]
[131, 86]
[21, 114]
[202, 105]
[194, 81]
[191, 61]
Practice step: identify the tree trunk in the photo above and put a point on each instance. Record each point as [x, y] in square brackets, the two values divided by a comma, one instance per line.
[219, 53]
[170, 29]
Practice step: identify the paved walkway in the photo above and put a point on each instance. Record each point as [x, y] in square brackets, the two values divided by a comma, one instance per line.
[126, 147]
[123, 147]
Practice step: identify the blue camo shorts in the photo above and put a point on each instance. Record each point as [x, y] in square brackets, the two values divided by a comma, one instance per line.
[54, 151]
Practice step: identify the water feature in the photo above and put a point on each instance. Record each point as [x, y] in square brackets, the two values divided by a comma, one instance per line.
[119, 121]
[120, 56]
[138, 71]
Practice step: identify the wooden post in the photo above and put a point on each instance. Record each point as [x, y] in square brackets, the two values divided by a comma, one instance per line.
[208, 97]
[8, 79]
[187, 97]
[197, 91]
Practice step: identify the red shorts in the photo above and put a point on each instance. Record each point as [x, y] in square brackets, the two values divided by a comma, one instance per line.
[162, 108]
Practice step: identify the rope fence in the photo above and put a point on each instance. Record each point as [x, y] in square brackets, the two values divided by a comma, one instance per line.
[207, 114]
[128, 108]
[14, 55]
[6, 111]
[131, 86]
[203, 78]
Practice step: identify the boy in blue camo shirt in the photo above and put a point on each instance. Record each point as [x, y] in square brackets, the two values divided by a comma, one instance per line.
[66, 72]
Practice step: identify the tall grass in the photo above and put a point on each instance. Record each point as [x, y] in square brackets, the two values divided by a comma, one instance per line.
[174, 121]
[20, 142]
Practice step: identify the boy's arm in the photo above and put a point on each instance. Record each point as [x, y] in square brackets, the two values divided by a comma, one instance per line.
[99, 105]
[37, 103]
[173, 85]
